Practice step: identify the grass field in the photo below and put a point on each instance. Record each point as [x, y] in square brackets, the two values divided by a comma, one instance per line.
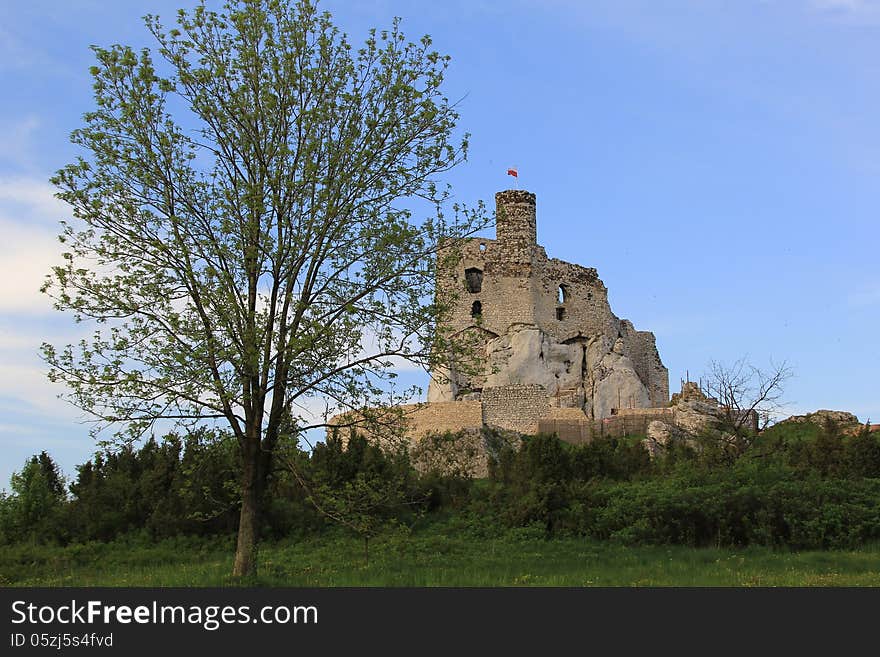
[434, 557]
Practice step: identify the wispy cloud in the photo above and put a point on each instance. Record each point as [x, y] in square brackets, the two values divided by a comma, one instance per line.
[845, 5]
[31, 198]
[855, 11]
[27, 392]
[16, 135]
[29, 216]
[23, 51]
[14, 54]
[868, 294]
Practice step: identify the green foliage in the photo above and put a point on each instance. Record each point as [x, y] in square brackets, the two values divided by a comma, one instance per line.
[33, 511]
[805, 491]
[258, 211]
[735, 510]
[816, 488]
[789, 432]
[545, 458]
[612, 458]
[362, 487]
[165, 488]
[862, 454]
[537, 479]
[446, 460]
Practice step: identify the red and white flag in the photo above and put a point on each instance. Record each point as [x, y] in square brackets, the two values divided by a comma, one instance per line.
[512, 172]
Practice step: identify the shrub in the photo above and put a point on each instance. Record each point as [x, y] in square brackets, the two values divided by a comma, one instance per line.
[862, 455]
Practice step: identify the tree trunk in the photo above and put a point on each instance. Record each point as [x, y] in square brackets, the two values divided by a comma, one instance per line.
[249, 520]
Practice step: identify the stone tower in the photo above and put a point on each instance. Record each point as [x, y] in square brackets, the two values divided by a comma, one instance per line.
[542, 324]
[516, 228]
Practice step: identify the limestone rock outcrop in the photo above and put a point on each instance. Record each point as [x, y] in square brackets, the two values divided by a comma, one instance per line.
[613, 381]
[691, 416]
[661, 435]
[594, 375]
[842, 418]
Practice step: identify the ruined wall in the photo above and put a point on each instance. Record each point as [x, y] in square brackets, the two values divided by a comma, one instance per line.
[569, 424]
[520, 285]
[505, 293]
[411, 420]
[641, 347]
[441, 417]
[579, 429]
[584, 310]
[515, 407]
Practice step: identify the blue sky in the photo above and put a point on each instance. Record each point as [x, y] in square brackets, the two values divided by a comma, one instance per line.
[718, 162]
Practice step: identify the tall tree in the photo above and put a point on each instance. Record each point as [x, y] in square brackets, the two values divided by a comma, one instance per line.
[34, 510]
[258, 218]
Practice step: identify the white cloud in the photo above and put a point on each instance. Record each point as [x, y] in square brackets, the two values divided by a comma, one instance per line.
[29, 215]
[15, 140]
[24, 268]
[31, 199]
[28, 225]
[25, 382]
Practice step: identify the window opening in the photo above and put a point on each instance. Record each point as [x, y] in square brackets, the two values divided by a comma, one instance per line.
[473, 279]
[562, 294]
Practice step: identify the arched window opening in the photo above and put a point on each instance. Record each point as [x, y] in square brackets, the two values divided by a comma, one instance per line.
[482, 247]
[473, 279]
[562, 294]
[477, 309]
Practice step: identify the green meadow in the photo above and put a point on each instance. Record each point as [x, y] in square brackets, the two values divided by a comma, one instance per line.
[433, 557]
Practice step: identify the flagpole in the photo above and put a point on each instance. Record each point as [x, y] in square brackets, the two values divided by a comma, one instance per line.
[513, 171]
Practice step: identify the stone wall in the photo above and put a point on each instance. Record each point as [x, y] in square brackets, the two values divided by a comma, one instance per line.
[505, 294]
[652, 413]
[641, 348]
[584, 310]
[414, 421]
[570, 424]
[515, 407]
[579, 429]
[441, 417]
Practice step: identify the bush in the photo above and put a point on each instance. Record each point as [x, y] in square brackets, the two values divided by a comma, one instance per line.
[729, 509]
[168, 488]
[862, 455]
[799, 486]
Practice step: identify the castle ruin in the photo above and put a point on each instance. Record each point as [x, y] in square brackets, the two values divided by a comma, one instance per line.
[549, 348]
[545, 355]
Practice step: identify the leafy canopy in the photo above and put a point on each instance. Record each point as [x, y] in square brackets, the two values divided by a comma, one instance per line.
[250, 231]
